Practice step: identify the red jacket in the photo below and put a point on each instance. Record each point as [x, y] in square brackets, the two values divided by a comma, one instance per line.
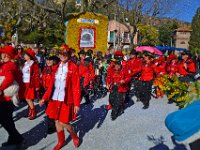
[134, 66]
[72, 90]
[172, 68]
[86, 71]
[159, 68]
[115, 77]
[190, 67]
[147, 72]
[34, 76]
[47, 74]
[7, 69]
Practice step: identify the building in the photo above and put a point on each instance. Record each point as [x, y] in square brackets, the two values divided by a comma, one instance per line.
[182, 37]
[119, 35]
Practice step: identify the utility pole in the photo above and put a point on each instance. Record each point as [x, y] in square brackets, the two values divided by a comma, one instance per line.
[118, 43]
[114, 32]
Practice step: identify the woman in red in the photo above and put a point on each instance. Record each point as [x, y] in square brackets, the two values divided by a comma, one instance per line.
[146, 80]
[86, 72]
[172, 66]
[31, 78]
[46, 80]
[186, 68]
[8, 70]
[64, 95]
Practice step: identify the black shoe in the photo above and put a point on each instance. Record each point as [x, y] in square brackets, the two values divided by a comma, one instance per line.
[51, 130]
[170, 102]
[145, 107]
[10, 142]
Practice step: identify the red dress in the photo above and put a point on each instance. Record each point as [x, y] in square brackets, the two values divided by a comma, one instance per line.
[64, 111]
[30, 88]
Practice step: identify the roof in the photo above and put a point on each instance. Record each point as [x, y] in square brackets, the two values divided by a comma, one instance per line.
[115, 25]
[182, 29]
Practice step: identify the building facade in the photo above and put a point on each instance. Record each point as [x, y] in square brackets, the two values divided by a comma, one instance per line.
[182, 38]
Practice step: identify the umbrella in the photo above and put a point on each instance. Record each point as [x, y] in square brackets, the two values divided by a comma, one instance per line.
[149, 49]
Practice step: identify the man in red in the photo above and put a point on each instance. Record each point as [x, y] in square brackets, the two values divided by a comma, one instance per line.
[146, 80]
[134, 70]
[86, 72]
[186, 68]
[116, 82]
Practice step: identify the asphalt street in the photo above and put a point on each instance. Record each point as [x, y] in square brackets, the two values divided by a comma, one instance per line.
[135, 129]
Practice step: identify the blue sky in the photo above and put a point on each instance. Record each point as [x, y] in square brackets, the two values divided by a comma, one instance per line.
[186, 10]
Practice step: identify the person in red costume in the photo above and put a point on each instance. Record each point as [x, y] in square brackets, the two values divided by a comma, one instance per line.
[117, 82]
[118, 56]
[64, 95]
[86, 72]
[160, 69]
[172, 65]
[31, 79]
[8, 70]
[46, 80]
[134, 70]
[146, 80]
[186, 68]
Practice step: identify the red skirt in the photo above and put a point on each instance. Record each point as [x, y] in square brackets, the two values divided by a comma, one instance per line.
[60, 111]
[29, 92]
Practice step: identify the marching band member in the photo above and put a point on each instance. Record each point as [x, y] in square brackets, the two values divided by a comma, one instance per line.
[64, 95]
[31, 78]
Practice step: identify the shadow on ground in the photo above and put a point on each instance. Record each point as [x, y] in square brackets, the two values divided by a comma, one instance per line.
[159, 144]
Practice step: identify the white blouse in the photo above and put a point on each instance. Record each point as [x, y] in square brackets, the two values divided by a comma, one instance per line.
[60, 82]
[26, 71]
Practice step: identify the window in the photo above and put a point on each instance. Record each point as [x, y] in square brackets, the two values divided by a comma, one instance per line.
[112, 36]
[182, 42]
[125, 37]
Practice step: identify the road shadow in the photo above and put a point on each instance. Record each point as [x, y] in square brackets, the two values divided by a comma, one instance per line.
[22, 114]
[34, 135]
[159, 144]
[88, 118]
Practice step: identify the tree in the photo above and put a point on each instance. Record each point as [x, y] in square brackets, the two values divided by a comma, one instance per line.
[166, 31]
[195, 37]
[148, 35]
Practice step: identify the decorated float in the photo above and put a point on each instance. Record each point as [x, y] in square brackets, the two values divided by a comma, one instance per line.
[86, 31]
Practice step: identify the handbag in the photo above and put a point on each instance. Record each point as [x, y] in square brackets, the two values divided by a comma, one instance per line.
[11, 91]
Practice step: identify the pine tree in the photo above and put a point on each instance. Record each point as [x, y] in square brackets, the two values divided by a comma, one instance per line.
[195, 37]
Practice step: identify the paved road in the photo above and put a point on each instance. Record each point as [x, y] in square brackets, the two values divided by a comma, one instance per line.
[135, 129]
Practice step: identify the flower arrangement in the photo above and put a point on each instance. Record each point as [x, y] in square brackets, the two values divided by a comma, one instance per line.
[181, 92]
[100, 25]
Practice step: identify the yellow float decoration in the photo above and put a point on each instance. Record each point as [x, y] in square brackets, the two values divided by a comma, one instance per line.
[87, 31]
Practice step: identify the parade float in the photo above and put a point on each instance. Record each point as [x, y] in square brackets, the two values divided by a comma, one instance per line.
[86, 30]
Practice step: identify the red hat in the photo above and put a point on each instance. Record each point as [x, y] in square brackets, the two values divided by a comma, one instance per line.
[119, 53]
[9, 50]
[172, 56]
[64, 49]
[30, 52]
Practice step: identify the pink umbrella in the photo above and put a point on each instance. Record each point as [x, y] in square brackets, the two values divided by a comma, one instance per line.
[149, 49]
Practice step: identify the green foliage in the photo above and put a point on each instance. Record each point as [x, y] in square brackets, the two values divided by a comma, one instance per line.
[195, 37]
[181, 92]
[166, 31]
[148, 35]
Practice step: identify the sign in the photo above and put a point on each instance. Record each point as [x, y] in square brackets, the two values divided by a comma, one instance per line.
[87, 38]
[83, 20]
